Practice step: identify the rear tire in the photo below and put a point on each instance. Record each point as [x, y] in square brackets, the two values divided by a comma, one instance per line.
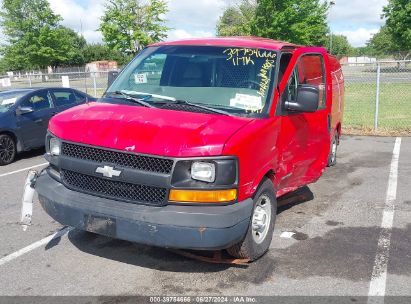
[8, 149]
[260, 231]
[332, 157]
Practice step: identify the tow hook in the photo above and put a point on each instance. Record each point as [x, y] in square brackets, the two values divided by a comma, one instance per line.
[27, 200]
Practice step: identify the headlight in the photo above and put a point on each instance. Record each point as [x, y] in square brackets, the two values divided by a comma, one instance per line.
[55, 146]
[203, 171]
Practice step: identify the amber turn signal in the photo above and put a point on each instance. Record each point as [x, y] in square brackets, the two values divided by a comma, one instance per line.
[201, 196]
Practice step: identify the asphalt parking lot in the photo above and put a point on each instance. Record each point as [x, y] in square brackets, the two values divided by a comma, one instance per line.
[352, 237]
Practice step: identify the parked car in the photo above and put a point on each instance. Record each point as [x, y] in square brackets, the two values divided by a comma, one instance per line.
[194, 142]
[25, 114]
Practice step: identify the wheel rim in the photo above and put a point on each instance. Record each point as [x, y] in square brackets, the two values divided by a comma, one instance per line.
[6, 149]
[261, 219]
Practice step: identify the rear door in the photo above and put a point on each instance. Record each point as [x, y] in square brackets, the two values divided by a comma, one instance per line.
[33, 126]
[304, 137]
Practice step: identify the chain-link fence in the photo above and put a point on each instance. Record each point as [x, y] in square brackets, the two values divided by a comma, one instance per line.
[378, 97]
[93, 83]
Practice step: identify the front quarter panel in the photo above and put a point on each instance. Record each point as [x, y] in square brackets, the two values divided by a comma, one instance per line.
[255, 145]
[8, 125]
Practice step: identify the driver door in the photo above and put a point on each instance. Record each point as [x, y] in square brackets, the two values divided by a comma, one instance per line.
[304, 137]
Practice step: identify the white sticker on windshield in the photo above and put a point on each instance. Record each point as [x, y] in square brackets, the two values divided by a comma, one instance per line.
[8, 101]
[247, 102]
[140, 78]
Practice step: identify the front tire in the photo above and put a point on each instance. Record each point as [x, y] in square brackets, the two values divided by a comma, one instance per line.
[8, 149]
[260, 231]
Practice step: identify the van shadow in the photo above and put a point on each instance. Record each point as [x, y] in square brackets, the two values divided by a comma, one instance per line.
[172, 268]
[139, 255]
[297, 197]
[165, 260]
[342, 252]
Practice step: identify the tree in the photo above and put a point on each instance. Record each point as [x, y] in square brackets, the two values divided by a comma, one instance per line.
[237, 20]
[130, 25]
[3, 66]
[298, 21]
[34, 37]
[381, 43]
[97, 52]
[362, 51]
[398, 25]
[340, 46]
[70, 50]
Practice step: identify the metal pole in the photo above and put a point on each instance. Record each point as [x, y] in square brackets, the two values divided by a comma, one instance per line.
[28, 75]
[95, 84]
[331, 4]
[85, 81]
[377, 97]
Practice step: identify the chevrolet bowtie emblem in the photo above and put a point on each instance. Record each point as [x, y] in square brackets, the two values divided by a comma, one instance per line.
[108, 171]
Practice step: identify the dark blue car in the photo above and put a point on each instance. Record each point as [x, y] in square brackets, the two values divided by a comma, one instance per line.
[25, 114]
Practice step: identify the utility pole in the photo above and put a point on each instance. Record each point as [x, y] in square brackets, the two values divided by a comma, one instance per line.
[332, 3]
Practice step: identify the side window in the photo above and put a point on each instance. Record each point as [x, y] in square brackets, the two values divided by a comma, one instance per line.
[309, 70]
[38, 101]
[80, 97]
[64, 97]
[313, 73]
[292, 86]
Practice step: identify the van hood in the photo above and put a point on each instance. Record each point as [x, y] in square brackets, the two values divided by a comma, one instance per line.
[146, 130]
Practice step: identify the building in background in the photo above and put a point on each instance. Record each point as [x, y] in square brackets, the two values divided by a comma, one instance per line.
[101, 66]
[357, 61]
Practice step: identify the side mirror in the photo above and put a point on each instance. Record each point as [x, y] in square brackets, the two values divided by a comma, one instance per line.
[24, 110]
[307, 100]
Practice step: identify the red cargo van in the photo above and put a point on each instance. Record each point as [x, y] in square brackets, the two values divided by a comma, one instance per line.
[193, 143]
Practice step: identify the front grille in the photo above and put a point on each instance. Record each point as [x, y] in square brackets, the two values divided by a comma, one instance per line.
[134, 161]
[114, 189]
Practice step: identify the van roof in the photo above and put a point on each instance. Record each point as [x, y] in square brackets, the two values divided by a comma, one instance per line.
[237, 41]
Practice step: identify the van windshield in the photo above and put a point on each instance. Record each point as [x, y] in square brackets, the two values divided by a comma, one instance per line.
[235, 80]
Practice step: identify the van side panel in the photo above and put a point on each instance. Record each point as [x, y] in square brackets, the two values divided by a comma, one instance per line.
[337, 108]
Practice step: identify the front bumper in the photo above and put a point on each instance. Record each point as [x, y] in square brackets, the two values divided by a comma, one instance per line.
[184, 227]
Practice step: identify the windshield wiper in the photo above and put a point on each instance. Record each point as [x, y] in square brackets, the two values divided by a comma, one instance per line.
[149, 95]
[184, 102]
[165, 99]
[134, 99]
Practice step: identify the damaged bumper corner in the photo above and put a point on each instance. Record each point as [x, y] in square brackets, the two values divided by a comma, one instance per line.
[171, 226]
[27, 200]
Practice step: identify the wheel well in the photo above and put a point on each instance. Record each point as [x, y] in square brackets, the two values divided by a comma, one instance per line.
[338, 128]
[13, 136]
[269, 175]
[339, 131]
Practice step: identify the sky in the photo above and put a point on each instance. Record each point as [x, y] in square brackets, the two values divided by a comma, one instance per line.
[357, 19]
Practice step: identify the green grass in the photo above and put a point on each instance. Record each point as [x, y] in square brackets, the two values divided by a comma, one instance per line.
[394, 109]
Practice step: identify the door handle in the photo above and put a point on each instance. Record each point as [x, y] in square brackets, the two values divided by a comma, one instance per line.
[38, 120]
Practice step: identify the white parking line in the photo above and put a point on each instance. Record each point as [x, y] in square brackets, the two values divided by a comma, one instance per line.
[379, 273]
[21, 170]
[35, 245]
